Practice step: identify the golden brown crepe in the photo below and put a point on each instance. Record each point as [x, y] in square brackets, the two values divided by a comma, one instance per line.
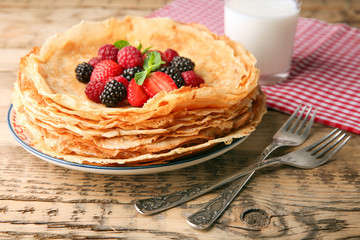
[50, 103]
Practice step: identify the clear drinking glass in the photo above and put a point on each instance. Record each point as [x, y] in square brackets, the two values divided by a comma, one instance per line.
[267, 29]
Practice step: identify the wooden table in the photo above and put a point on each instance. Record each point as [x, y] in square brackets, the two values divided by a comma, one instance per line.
[42, 201]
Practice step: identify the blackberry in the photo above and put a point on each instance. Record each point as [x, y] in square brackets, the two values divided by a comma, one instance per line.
[183, 64]
[113, 93]
[83, 72]
[129, 73]
[174, 74]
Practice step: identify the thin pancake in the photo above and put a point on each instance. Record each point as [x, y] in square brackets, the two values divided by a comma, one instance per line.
[50, 103]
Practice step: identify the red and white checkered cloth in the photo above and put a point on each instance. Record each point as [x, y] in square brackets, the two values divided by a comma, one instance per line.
[325, 68]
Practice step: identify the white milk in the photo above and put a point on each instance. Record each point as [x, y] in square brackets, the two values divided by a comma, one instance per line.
[266, 28]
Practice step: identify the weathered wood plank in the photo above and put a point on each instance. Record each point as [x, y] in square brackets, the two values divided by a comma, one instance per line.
[42, 201]
[297, 202]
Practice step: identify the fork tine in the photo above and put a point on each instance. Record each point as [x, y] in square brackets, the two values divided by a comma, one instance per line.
[308, 126]
[303, 119]
[335, 150]
[298, 118]
[317, 143]
[322, 151]
[287, 124]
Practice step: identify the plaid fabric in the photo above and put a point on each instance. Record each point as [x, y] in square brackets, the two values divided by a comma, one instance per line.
[325, 68]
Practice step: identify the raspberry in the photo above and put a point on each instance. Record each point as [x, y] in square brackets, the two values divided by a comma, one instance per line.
[183, 64]
[129, 73]
[106, 69]
[113, 93]
[94, 61]
[83, 72]
[94, 89]
[129, 57]
[174, 74]
[121, 79]
[170, 54]
[108, 52]
[192, 79]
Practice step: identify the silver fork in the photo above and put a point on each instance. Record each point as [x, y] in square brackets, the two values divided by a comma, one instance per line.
[308, 157]
[292, 133]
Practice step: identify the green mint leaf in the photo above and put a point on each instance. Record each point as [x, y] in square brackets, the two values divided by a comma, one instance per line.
[157, 61]
[152, 61]
[140, 77]
[146, 50]
[155, 67]
[121, 43]
[148, 61]
[139, 46]
[157, 57]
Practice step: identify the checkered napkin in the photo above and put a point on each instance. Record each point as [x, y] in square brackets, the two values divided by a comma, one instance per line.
[325, 67]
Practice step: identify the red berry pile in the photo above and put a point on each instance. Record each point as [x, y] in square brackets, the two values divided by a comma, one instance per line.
[121, 71]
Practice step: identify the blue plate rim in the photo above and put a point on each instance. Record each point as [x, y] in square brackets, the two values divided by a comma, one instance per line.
[36, 152]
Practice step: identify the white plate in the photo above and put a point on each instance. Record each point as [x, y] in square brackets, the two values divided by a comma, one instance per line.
[21, 137]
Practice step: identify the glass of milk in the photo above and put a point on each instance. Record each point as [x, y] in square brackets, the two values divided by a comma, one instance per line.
[267, 29]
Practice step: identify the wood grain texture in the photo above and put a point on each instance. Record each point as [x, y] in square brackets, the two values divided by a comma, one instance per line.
[42, 201]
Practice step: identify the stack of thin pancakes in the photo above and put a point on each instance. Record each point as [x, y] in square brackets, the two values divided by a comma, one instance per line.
[51, 106]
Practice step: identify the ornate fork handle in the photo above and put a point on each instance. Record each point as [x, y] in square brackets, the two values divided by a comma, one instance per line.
[292, 133]
[269, 149]
[205, 217]
[161, 203]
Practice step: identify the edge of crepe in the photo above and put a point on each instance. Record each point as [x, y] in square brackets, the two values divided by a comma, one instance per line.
[155, 104]
[239, 133]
